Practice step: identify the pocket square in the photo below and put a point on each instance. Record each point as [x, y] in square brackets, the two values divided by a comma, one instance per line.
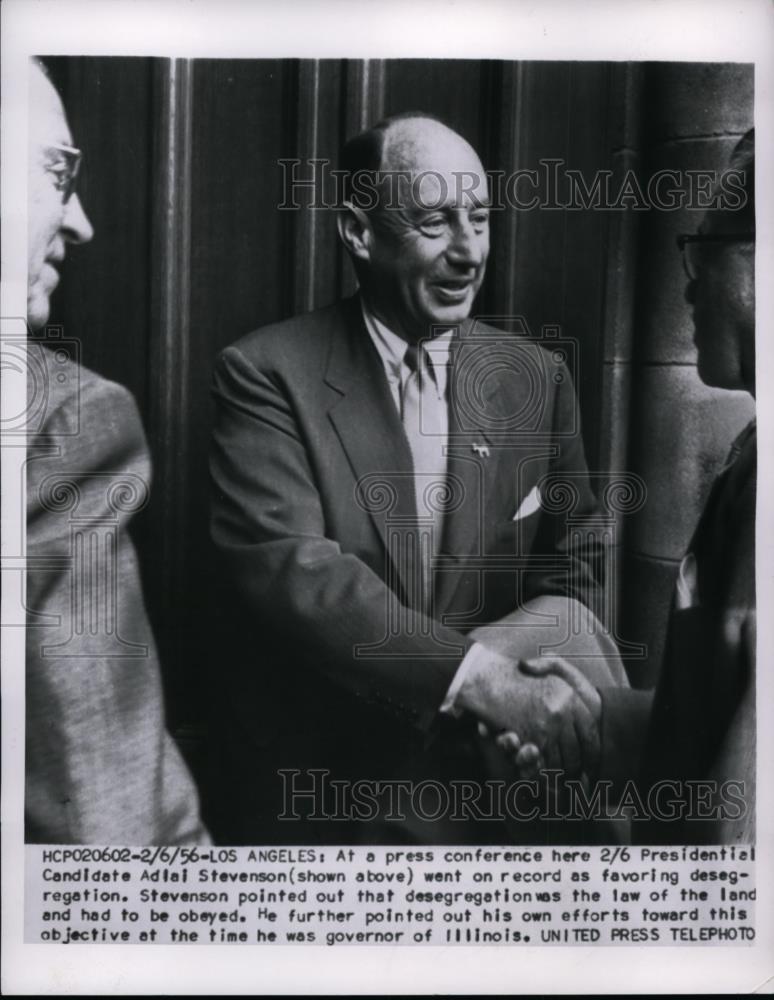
[529, 505]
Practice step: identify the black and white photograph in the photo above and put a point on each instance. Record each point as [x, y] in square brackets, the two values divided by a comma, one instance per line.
[379, 536]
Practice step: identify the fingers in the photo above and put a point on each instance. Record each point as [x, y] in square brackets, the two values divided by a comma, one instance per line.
[587, 734]
[527, 757]
[529, 761]
[579, 682]
[569, 747]
[549, 720]
[509, 743]
[538, 667]
[569, 673]
[565, 728]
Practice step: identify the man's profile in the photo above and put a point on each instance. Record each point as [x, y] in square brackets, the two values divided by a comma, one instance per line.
[699, 723]
[100, 765]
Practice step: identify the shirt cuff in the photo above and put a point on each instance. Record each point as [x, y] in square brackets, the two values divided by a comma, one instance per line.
[474, 656]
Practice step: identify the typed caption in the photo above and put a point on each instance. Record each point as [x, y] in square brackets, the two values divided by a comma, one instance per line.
[346, 896]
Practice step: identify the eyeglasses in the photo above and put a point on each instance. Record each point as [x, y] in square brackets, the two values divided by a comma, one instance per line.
[688, 245]
[64, 165]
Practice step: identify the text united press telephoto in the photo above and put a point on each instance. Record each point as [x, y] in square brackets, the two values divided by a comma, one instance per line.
[390, 502]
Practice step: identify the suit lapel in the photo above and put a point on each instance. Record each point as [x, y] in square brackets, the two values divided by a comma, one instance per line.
[472, 468]
[481, 448]
[367, 423]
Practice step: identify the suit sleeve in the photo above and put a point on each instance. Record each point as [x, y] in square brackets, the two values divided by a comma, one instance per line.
[624, 724]
[329, 608]
[100, 764]
[569, 533]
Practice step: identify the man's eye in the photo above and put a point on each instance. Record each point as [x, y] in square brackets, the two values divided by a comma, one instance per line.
[59, 172]
[479, 220]
[434, 225]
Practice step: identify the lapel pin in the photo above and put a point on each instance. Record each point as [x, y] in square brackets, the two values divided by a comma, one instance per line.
[481, 450]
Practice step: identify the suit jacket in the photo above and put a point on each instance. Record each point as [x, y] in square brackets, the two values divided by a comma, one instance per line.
[703, 721]
[312, 506]
[699, 725]
[100, 765]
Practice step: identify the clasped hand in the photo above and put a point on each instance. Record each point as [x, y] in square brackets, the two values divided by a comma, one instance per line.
[543, 713]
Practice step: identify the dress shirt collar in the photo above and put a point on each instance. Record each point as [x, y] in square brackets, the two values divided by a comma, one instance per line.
[392, 350]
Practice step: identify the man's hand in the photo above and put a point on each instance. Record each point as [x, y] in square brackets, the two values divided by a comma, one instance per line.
[527, 756]
[540, 706]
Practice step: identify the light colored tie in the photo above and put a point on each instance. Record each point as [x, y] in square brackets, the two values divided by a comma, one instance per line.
[425, 420]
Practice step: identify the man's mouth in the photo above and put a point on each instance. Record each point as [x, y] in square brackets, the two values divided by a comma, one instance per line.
[54, 273]
[454, 290]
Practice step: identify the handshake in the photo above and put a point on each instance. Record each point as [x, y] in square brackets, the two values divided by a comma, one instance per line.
[542, 713]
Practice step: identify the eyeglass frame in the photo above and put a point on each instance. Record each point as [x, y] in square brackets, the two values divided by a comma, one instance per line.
[72, 158]
[683, 239]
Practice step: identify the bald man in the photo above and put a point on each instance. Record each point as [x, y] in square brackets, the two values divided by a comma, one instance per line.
[100, 765]
[377, 469]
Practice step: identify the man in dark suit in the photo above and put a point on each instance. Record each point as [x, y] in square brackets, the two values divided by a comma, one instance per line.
[386, 479]
[100, 766]
[698, 726]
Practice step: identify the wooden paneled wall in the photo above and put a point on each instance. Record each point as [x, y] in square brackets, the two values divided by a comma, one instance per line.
[182, 182]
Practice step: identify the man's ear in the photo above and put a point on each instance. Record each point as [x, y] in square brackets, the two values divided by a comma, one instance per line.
[355, 231]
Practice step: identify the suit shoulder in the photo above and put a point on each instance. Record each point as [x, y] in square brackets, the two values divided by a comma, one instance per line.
[545, 357]
[83, 411]
[518, 334]
[63, 391]
[297, 338]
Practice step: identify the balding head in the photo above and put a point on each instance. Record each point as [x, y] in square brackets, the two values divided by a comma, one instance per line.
[55, 216]
[416, 223]
[417, 143]
[378, 163]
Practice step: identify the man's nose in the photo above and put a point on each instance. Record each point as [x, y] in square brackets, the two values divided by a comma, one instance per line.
[76, 225]
[467, 247]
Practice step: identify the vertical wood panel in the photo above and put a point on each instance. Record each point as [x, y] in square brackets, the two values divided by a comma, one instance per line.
[244, 120]
[508, 100]
[449, 89]
[317, 260]
[182, 180]
[557, 255]
[170, 355]
[364, 92]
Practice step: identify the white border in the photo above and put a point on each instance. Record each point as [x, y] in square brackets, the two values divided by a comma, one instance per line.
[695, 30]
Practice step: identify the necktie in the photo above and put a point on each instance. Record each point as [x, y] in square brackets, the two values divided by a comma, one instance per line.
[424, 420]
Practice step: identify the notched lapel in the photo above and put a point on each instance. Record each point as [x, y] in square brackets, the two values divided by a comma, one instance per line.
[487, 444]
[472, 469]
[368, 426]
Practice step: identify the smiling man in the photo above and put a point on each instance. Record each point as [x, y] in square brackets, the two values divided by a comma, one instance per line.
[377, 468]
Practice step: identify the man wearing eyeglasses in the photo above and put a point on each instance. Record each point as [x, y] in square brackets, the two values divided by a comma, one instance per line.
[100, 765]
[700, 725]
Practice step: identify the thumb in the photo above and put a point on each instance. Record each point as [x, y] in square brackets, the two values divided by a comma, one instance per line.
[569, 673]
[541, 666]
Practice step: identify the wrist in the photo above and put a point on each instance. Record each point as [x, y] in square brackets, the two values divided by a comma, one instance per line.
[488, 676]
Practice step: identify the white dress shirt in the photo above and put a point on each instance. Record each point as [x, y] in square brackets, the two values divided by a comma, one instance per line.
[392, 350]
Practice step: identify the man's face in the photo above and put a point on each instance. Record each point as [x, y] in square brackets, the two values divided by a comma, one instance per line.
[430, 241]
[51, 222]
[723, 298]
